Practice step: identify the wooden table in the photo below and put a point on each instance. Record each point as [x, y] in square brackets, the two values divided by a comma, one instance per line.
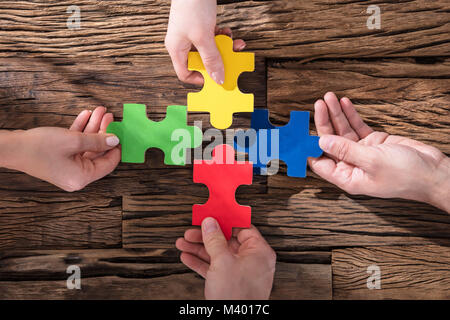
[121, 230]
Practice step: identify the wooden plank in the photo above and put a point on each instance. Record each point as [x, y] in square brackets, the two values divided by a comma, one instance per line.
[400, 96]
[147, 274]
[58, 220]
[315, 218]
[52, 91]
[305, 29]
[302, 282]
[306, 219]
[409, 272]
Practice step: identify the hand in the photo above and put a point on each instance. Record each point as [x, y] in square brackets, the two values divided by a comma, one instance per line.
[69, 159]
[360, 160]
[193, 23]
[242, 268]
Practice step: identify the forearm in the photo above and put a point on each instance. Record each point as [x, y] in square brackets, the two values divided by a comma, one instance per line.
[439, 191]
[10, 145]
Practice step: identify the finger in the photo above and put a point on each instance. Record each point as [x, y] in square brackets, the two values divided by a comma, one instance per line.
[358, 125]
[180, 66]
[323, 166]
[239, 45]
[106, 120]
[322, 119]
[179, 55]
[234, 245]
[246, 234]
[106, 163]
[226, 31]
[96, 142]
[212, 60]
[195, 249]
[95, 120]
[347, 150]
[194, 263]
[338, 118]
[193, 235]
[213, 238]
[80, 121]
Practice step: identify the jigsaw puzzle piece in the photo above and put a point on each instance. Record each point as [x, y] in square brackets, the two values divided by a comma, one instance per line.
[137, 133]
[293, 142]
[223, 175]
[222, 101]
[297, 145]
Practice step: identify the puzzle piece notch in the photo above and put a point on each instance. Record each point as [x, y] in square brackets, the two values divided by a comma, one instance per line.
[137, 133]
[222, 101]
[223, 175]
[294, 144]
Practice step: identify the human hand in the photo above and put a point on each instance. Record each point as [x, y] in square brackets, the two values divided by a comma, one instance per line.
[69, 159]
[360, 160]
[242, 268]
[192, 23]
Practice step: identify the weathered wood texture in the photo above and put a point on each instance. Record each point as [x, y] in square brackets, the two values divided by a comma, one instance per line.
[142, 274]
[407, 97]
[397, 76]
[58, 220]
[306, 29]
[52, 91]
[412, 272]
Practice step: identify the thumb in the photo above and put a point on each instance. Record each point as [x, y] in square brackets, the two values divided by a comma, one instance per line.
[212, 60]
[95, 142]
[345, 150]
[213, 238]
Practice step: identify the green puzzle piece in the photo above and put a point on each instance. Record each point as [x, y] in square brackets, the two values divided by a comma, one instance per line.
[137, 133]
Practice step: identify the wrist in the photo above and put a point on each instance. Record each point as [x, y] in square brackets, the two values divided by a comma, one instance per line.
[438, 191]
[10, 147]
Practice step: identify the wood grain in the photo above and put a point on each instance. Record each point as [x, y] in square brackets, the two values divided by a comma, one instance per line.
[304, 29]
[397, 76]
[140, 274]
[407, 97]
[310, 219]
[409, 272]
[52, 91]
[59, 221]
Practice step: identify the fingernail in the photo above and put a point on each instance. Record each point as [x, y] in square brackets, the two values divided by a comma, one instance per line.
[218, 77]
[242, 46]
[325, 142]
[209, 225]
[112, 141]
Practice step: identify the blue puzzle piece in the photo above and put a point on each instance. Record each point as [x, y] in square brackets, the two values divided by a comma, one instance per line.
[291, 143]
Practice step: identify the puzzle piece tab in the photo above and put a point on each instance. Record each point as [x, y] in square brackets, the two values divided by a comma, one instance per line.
[137, 133]
[222, 175]
[221, 101]
[291, 143]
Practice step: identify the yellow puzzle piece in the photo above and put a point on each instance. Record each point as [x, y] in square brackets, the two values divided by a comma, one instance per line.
[221, 101]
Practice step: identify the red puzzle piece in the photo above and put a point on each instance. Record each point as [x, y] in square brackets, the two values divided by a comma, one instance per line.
[222, 175]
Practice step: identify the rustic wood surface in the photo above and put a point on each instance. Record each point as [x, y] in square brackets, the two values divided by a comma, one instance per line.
[121, 230]
[144, 274]
[304, 29]
[411, 272]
